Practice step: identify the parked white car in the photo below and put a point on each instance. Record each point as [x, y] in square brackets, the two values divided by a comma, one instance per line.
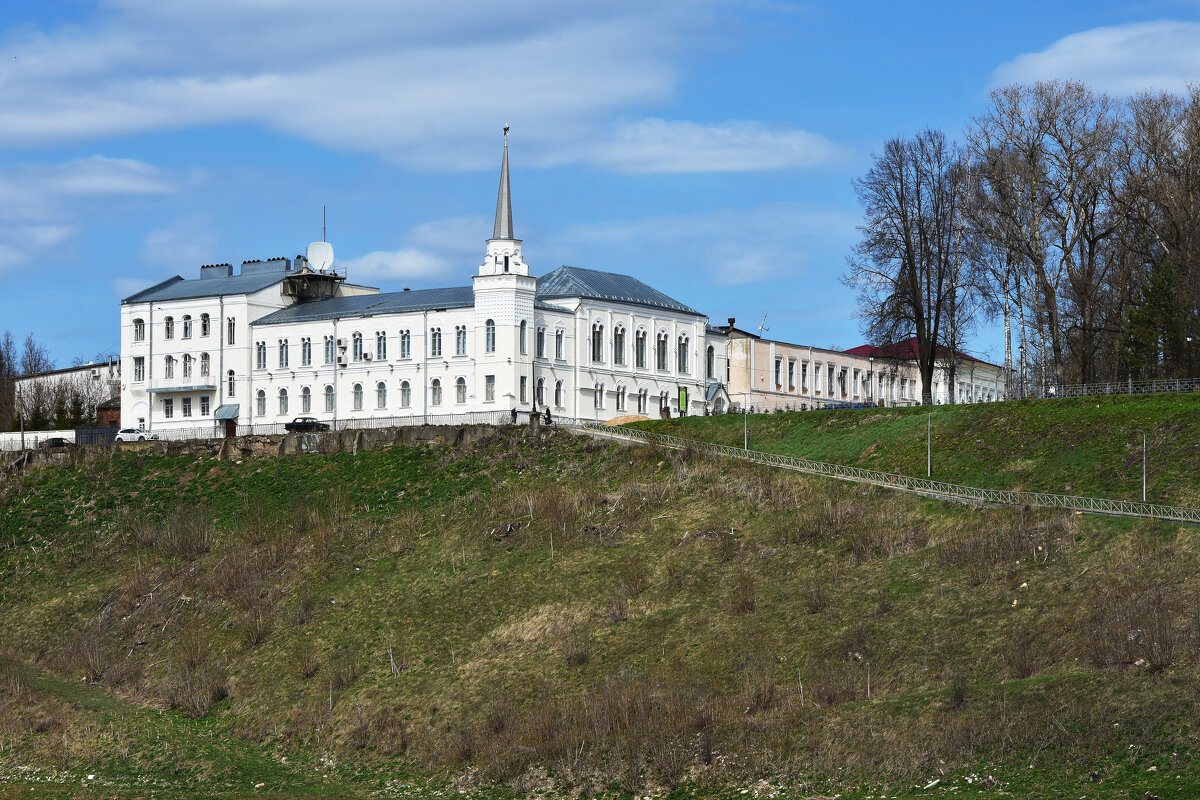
[135, 435]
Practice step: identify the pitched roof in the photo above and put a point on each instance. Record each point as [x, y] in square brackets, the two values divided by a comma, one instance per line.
[366, 305]
[177, 288]
[905, 351]
[595, 285]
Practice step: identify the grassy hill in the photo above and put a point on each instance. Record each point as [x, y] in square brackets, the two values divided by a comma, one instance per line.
[548, 612]
[1081, 446]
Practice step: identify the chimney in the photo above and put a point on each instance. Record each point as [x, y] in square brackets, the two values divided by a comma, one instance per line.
[729, 328]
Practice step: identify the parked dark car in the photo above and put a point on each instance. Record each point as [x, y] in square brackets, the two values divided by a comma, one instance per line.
[305, 425]
[55, 441]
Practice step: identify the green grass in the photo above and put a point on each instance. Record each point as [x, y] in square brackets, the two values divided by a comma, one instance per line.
[571, 615]
[1083, 446]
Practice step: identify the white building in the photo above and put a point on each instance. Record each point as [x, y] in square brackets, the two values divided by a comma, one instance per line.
[281, 340]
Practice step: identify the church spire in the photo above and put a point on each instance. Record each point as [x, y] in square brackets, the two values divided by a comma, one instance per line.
[504, 224]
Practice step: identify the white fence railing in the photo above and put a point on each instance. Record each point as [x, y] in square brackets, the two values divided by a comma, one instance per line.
[923, 486]
[1159, 386]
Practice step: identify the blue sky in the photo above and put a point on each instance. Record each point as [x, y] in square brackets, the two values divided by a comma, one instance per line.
[705, 147]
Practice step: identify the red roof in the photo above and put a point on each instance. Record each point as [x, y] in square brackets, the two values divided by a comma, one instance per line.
[905, 351]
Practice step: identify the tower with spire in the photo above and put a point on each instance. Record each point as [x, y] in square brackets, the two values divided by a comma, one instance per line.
[504, 321]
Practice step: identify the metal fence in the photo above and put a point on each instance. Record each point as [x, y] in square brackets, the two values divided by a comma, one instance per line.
[922, 486]
[1160, 386]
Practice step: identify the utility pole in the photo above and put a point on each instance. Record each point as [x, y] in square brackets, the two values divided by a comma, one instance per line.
[1143, 433]
[745, 422]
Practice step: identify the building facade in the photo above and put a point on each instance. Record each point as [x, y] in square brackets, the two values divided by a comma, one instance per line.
[280, 340]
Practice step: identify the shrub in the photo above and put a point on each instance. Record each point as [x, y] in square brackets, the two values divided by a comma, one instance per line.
[194, 678]
[345, 665]
[187, 534]
[305, 658]
[576, 646]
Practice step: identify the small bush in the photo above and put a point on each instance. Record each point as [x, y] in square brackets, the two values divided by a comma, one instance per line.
[816, 597]
[576, 647]
[305, 658]
[344, 668]
[187, 534]
[618, 604]
[744, 594]
[255, 627]
[194, 679]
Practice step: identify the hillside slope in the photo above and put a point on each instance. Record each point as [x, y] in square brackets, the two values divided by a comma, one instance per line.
[1080, 446]
[544, 611]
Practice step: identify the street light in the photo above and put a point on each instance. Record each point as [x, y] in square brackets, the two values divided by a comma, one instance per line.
[1021, 372]
[745, 420]
[870, 376]
[1189, 349]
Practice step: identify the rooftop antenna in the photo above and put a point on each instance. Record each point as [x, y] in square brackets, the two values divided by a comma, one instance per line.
[763, 326]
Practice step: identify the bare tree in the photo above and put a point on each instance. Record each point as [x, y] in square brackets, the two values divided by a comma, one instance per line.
[907, 265]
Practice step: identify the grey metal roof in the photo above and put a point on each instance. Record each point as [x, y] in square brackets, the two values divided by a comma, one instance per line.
[577, 282]
[179, 289]
[365, 305]
[227, 411]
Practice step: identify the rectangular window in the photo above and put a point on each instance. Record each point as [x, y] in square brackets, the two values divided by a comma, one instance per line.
[205, 405]
[804, 376]
[435, 342]
[791, 375]
[558, 345]
[854, 385]
[185, 406]
[168, 407]
[639, 350]
[139, 368]
[778, 373]
[139, 330]
[524, 380]
[489, 388]
[169, 368]
[541, 343]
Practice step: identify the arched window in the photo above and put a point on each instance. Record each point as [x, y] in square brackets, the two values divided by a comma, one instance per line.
[405, 394]
[597, 343]
[558, 394]
[643, 403]
[283, 353]
[639, 349]
[558, 344]
[329, 398]
[205, 324]
[168, 327]
[489, 336]
[381, 395]
[540, 343]
[260, 355]
[598, 396]
[169, 367]
[681, 355]
[230, 330]
[460, 390]
[660, 351]
[524, 329]
[405, 344]
[460, 340]
[620, 398]
[187, 326]
[539, 393]
[664, 401]
[305, 400]
[710, 362]
[139, 330]
[229, 375]
[283, 401]
[187, 365]
[435, 392]
[205, 361]
[357, 352]
[619, 345]
[380, 346]
[435, 341]
[358, 397]
[306, 351]
[261, 403]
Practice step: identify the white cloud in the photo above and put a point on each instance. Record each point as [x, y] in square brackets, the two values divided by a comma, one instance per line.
[423, 84]
[1162, 55]
[390, 265]
[727, 247]
[179, 248]
[658, 145]
[39, 203]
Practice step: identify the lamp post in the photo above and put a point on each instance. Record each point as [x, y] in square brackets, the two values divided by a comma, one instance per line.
[929, 446]
[870, 377]
[745, 420]
[1021, 372]
[1143, 433]
[1189, 349]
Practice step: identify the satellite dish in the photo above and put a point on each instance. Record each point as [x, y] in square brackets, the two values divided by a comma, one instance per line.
[320, 256]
